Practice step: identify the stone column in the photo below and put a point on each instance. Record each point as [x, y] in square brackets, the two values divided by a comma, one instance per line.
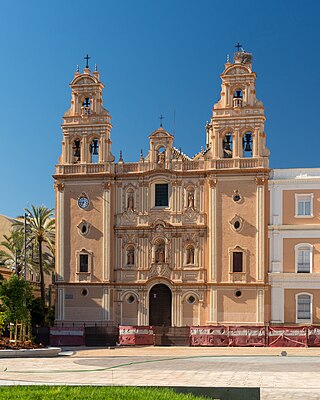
[83, 150]
[216, 143]
[235, 140]
[102, 148]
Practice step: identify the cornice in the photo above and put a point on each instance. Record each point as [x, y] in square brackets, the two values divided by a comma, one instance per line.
[301, 227]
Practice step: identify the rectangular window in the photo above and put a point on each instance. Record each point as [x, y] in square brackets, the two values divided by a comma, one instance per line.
[83, 263]
[304, 205]
[237, 261]
[161, 195]
[304, 307]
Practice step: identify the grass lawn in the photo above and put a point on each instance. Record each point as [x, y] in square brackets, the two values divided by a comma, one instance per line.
[90, 392]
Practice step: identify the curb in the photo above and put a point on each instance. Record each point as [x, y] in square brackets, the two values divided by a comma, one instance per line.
[24, 353]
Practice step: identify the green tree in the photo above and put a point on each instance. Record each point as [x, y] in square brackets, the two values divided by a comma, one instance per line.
[15, 296]
[41, 230]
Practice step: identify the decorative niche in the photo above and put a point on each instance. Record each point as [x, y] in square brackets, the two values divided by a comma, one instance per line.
[83, 228]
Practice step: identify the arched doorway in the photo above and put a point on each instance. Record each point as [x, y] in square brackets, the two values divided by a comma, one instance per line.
[160, 299]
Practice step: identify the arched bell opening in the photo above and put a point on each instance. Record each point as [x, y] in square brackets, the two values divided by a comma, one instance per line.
[237, 98]
[76, 151]
[227, 145]
[94, 151]
[247, 143]
[86, 107]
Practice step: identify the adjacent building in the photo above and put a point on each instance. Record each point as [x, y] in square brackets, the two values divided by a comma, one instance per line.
[294, 234]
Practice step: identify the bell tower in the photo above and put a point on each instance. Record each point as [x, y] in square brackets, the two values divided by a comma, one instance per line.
[84, 187]
[236, 129]
[86, 125]
[238, 231]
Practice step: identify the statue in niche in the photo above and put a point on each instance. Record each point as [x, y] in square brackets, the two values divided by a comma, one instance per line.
[190, 255]
[130, 256]
[190, 199]
[160, 253]
[130, 201]
[161, 158]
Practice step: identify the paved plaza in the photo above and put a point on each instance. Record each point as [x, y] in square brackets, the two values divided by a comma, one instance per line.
[294, 376]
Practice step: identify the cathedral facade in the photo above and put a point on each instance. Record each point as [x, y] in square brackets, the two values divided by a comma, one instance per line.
[168, 240]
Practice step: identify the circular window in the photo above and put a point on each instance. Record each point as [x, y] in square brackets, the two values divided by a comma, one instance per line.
[84, 292]
[236, 196]
[84, 229]
[238, 293]
[237, 225]
[130, 299]
[191, 299]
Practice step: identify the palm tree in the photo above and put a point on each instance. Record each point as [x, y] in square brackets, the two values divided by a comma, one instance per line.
[41, 230]
[12, 257]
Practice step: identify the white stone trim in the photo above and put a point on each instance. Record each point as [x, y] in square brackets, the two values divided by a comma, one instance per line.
[295, 281]
[302, 228]
[294, 174]
[277, 304]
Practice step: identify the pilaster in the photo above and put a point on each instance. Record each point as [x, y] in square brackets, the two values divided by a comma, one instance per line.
[260, 237]
[60, 231]
[106, 231]
[212, 230]
[106, 304]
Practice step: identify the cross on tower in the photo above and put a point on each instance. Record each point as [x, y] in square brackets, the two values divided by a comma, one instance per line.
[87, 58]
[238, 46]
[161, 118]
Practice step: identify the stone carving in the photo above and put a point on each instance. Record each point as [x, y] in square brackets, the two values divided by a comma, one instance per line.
[130, 256]
[130, 201]
[190, 255]
[191, 199]
[128, 239]
[159, 270]
[160, 254]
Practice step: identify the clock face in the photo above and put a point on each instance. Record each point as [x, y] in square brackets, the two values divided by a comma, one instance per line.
[83, 202]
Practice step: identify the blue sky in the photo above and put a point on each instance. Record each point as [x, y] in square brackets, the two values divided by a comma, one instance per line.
[154, 57]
